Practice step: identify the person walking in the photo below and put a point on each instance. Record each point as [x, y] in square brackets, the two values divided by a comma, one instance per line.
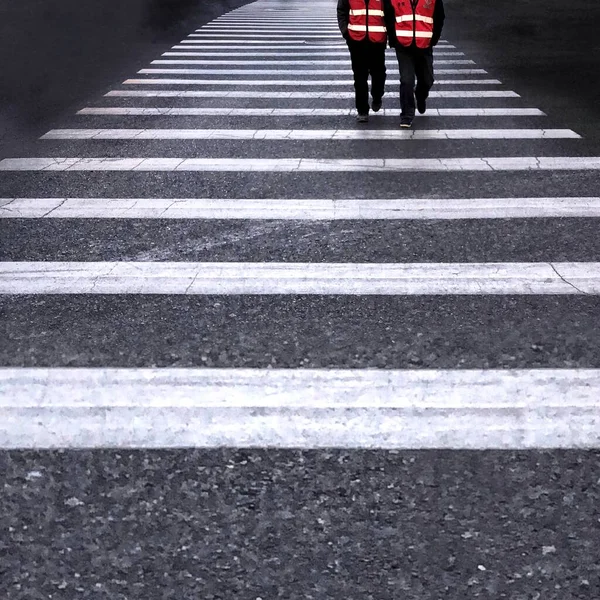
[414, 28]
[362, 25]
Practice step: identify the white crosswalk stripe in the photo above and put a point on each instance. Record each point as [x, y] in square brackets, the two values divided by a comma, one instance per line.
[300, 112]
[342, 53]
[304, 165]
[147, 140]
[313, 83]
[291, 209]
[298, 278]
[385, 409]
[306, 134]
[324, 95]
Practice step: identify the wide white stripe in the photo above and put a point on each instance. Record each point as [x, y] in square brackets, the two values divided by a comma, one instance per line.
[266, 29]
[264, 44]
[299, 47]
[251, 54]
[161, 80]
[298, 278]
[296, 83]
[317, 63]
[289, 95]
[324, 71]
[235, 36]
[269, 27]
[305, 165]
[308, 134]
[299, 408]
[251, 23]
[303, 112]
[290, 209]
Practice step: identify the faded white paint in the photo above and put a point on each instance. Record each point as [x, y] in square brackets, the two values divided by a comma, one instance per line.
[280, 95]
[301, 112]
[287, 209]
[298, 408]
[298, 278]
[309, 134]
[305, 165]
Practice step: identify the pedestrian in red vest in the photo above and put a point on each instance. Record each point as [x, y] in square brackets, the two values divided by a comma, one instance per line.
[414, 28]
[363, 26]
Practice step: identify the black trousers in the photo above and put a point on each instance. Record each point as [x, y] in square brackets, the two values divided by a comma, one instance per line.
[416, 76]
[367, 59]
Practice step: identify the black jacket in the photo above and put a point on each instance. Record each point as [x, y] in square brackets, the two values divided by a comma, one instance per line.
[439, 16]
[343, 16]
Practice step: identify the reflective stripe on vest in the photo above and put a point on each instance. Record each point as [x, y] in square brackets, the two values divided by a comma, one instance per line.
[367, 18]
[414, 24]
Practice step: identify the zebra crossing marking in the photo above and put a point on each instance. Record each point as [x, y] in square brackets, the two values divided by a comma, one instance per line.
[199, 45]
[315, 83]
[484, 409]
[243, 278]
[308, 134]
[324, 95]
[223, 53]
[302, 112]
[299, 408]
[306, 165]
[274, 71]
[242, 36]
[296, 209]
[279, 62]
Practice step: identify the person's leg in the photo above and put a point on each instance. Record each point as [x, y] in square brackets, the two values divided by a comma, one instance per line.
[425, 77]
[360, 69]
[378, 73]
[406, 66]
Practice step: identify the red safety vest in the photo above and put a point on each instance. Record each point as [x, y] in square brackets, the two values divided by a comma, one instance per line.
[367, 17]
[414, 25]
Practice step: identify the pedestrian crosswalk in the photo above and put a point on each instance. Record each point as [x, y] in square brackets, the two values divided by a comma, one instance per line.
[239, 147]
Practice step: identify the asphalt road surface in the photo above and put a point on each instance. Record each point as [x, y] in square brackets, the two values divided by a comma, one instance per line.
[250, 349]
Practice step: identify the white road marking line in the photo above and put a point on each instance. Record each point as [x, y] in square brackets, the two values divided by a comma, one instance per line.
[309, 134]
[514, 409]
[291, 209]
[303, 112]
[306, 83]
[316, 63]
[298, 278]
[269, 44]
[235, 29]
[274, 71]
[207, 35]
[225, 54]
[305, 165]
[299, 46]
[325, 95]
[260, 23]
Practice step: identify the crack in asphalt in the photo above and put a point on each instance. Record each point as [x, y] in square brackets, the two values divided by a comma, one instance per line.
[6, 206]
[191, 283]
[567, 281]
[53, 209]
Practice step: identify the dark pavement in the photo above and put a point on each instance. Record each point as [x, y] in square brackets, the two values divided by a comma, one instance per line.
[260, 524]
[287, 524]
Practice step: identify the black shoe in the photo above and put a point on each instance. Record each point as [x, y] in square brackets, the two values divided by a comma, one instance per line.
[362, 118]
[406, 122]
[421, 104]
[376, 105]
